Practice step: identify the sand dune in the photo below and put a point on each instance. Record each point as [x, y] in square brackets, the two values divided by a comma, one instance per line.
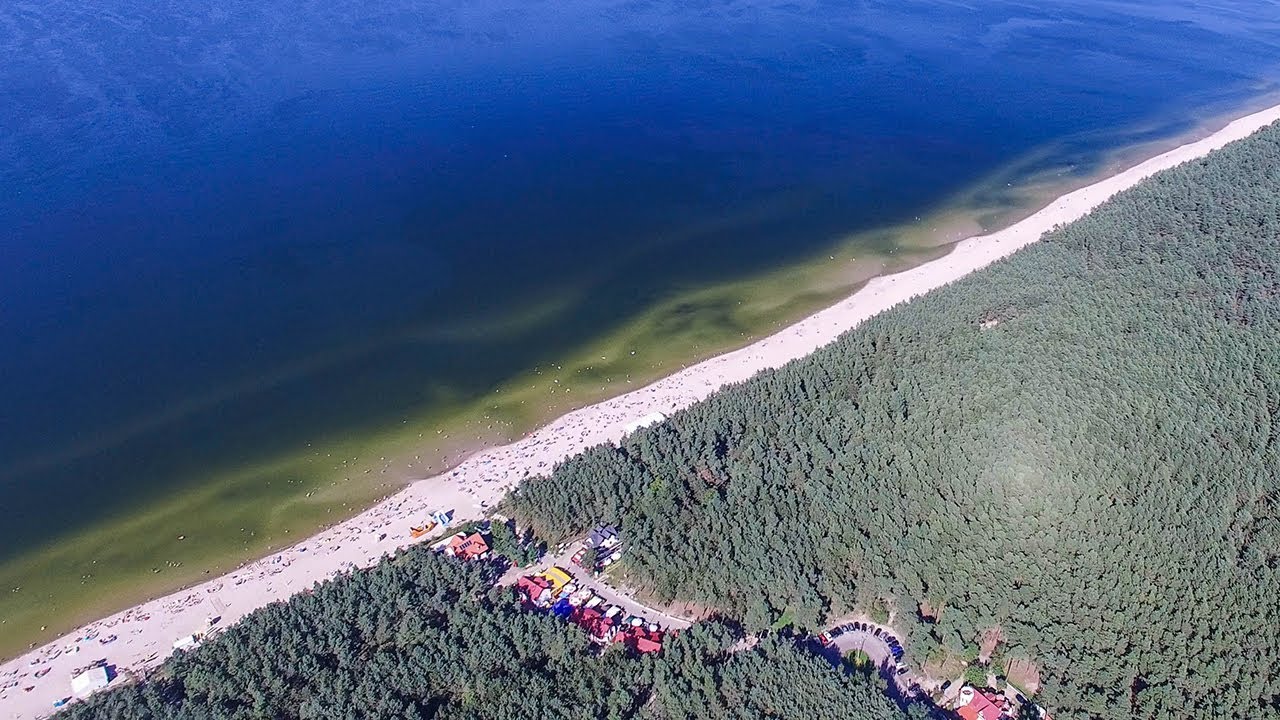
[145, 634]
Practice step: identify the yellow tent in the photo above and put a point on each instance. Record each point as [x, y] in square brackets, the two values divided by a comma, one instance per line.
[558, 577]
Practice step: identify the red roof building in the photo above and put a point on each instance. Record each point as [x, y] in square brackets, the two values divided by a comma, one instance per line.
[980, 705]
[599, 627]
[467, 547]
[645, 645]
[535, 589]
[640, 639]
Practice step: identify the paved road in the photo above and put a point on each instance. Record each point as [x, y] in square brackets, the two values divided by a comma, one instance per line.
[610, 594]
[616, 597]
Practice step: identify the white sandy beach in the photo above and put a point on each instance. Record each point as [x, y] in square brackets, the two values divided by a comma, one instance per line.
[145, 633]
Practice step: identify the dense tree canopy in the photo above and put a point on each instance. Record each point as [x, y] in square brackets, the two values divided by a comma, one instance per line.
[1077, 446]
[422, 636]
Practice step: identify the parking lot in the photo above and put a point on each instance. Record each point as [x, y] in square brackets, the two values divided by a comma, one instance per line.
[877, 642]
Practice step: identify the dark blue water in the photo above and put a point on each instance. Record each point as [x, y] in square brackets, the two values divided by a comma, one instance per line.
[230, 227]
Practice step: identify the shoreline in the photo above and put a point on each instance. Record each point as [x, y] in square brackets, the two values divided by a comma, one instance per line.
[306, 490]
[483, 478]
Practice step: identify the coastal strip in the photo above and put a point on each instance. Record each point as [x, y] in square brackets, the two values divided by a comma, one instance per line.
[142, 637]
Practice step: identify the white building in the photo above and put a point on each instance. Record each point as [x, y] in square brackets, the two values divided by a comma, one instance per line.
[89, 682]
[186, 642]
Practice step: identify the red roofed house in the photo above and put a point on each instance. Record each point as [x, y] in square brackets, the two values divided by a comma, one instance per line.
[595, 623]
[640, 639]
[535, 589]
[646, 645]
[467, 547]
[979, 705]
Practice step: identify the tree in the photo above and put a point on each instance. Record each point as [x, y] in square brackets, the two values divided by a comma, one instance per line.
[423, 636]
[1067, 444]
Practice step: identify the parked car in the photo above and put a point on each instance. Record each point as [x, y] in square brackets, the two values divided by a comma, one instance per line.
[825, 638]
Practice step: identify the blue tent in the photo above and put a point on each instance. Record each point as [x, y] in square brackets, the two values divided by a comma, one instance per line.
[562, 608]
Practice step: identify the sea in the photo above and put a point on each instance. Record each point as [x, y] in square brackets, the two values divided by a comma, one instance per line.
[230, 228]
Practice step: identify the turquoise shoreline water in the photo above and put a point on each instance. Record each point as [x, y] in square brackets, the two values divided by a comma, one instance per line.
[246, 235]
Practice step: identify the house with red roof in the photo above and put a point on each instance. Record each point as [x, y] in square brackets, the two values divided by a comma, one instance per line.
[600, 628]
[467, 547]
[535, 589]
[647, 644]
[639, 638]
[975, 704]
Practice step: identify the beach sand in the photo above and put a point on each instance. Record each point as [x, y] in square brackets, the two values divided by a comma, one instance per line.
[145, 634]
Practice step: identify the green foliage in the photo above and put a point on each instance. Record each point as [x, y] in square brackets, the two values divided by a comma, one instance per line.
[784, 620]
[1080, 444]
[693, 681]
[422, 636]
[504, 542]
[976, 675]
[1028, 711]
[878, 611]
[858, 659]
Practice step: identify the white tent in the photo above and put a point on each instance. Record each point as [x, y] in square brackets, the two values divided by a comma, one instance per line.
[89, 682]
[652, 418]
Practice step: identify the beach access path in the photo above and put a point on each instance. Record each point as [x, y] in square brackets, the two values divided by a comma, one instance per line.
[145, 634]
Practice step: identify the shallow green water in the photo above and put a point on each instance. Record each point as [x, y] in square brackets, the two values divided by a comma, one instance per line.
[248, 245]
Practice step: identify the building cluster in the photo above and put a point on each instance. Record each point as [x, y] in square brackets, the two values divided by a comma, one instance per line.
[555, 591]
[542, 589]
